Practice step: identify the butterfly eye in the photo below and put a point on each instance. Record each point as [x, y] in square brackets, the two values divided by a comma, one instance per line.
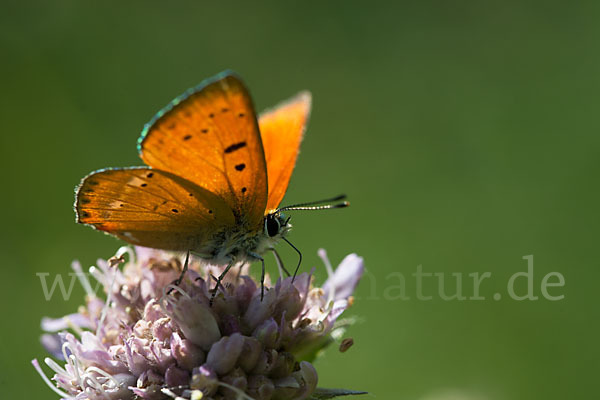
[272, 226]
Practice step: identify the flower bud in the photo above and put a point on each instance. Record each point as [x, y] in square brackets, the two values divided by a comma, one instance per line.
[250, 353]
[260, 310]
[185, 352]
[197, 322]
[260, 387]
[265, 362]
[283, 366]
[224, 354]
[267, 333]
[307, 378]
[175, 376]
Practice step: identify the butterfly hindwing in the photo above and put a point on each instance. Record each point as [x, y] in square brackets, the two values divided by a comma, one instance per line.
[151, 208]
[282, 129]
[210, 136]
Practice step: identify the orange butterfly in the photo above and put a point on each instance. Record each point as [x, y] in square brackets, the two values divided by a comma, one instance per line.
[215, 179]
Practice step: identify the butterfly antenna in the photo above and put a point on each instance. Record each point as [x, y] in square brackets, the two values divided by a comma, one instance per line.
[299, 260]
[315, 205]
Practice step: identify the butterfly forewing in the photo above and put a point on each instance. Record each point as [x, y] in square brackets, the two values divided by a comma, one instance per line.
[151, 208]
[281, 129]
[210, 136]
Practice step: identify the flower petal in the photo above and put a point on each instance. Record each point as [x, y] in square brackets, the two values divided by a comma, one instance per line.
[345, 278]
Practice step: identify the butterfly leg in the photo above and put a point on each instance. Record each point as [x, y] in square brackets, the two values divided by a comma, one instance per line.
[178, 281]
[280, 264]
[262, 275]
[299, 259]
[184, 270]
[219, 279]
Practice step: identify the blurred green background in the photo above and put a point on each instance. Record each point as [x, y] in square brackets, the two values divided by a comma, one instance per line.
[466, 134]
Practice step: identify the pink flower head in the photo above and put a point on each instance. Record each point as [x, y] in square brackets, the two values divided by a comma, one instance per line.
[152, 340]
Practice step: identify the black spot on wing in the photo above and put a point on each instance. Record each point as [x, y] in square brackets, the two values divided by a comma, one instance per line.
[235, 146]
[211, 115]
[224, 109]
[149, 174]
[161, 204]
[240, 167]
[187, 137]
[175, 210]
[204, 130]
[241, 115]
[144, 185]
[244, 189]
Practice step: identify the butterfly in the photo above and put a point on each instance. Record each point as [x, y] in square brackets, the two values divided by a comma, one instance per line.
[216, 175]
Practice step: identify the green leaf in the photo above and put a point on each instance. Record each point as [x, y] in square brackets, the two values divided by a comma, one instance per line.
[321, 393]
